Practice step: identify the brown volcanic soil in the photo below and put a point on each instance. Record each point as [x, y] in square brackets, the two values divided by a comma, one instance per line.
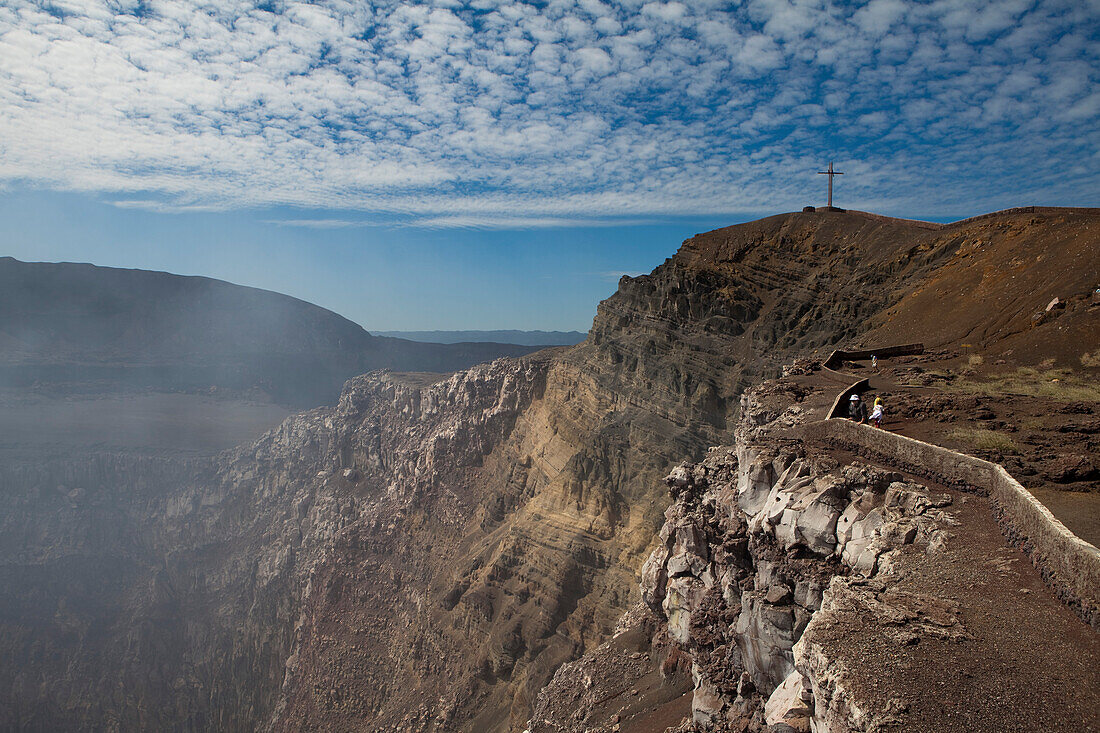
[1021, 661]
[1004, 271]
[1046, 433]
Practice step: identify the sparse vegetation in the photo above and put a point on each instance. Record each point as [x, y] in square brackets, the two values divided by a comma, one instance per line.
[1034, 423]
[1057, 384]
[983, 439]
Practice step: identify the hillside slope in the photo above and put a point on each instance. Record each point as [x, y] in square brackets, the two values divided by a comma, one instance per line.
[526, 338]
[92, 329]
[424, 555]
[993, 293]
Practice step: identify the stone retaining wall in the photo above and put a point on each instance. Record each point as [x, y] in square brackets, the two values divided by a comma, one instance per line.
[839, 356]
[839, 408]
[1069, 564]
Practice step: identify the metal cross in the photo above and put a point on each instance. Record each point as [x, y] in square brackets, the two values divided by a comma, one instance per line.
[830, 173]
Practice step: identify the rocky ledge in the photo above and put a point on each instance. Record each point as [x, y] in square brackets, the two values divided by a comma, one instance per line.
[811, 592]
[761, 542]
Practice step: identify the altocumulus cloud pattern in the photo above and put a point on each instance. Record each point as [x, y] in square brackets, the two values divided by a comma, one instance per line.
[492, 113]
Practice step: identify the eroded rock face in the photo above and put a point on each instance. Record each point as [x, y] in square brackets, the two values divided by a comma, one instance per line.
[220, 574]
[762, 538]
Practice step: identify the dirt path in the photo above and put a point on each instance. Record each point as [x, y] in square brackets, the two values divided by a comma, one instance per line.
[1046, 440]
[1023, 662]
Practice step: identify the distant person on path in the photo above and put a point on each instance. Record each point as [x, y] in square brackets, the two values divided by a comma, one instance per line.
[878, 412]
[874, 361]
[856, 409]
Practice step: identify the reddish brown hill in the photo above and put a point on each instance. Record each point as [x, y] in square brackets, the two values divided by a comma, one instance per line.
[993, 277]
[994, 290]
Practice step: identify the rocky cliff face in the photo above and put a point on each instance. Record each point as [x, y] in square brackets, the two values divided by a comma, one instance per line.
[163, 596]
[426, 554]
[810, 591]
[760, 538]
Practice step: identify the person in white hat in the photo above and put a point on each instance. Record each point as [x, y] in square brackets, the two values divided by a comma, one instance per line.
[857, 411]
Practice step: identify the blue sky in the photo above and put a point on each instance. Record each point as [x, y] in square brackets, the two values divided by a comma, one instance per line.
[494, 165]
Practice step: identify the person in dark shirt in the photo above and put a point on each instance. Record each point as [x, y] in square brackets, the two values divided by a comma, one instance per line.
[856, 409]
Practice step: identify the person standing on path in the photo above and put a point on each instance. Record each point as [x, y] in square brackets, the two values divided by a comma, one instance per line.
[878, 412]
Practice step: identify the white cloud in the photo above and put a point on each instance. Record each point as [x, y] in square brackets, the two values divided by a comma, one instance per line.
[668, 12]
[471, 221]
[760, 53]
[318, 223]
[161, 207]
[784, 18]
[575, 112]
[878, 16]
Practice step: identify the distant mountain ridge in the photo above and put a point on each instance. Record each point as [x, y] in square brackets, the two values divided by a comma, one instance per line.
[507, 336]
[85, 328]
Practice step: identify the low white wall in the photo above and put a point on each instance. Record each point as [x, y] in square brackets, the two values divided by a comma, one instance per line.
[838, 357]
[840, 404]
[1069, 564]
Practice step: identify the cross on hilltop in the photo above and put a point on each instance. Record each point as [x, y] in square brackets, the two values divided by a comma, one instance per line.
[830, 173]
